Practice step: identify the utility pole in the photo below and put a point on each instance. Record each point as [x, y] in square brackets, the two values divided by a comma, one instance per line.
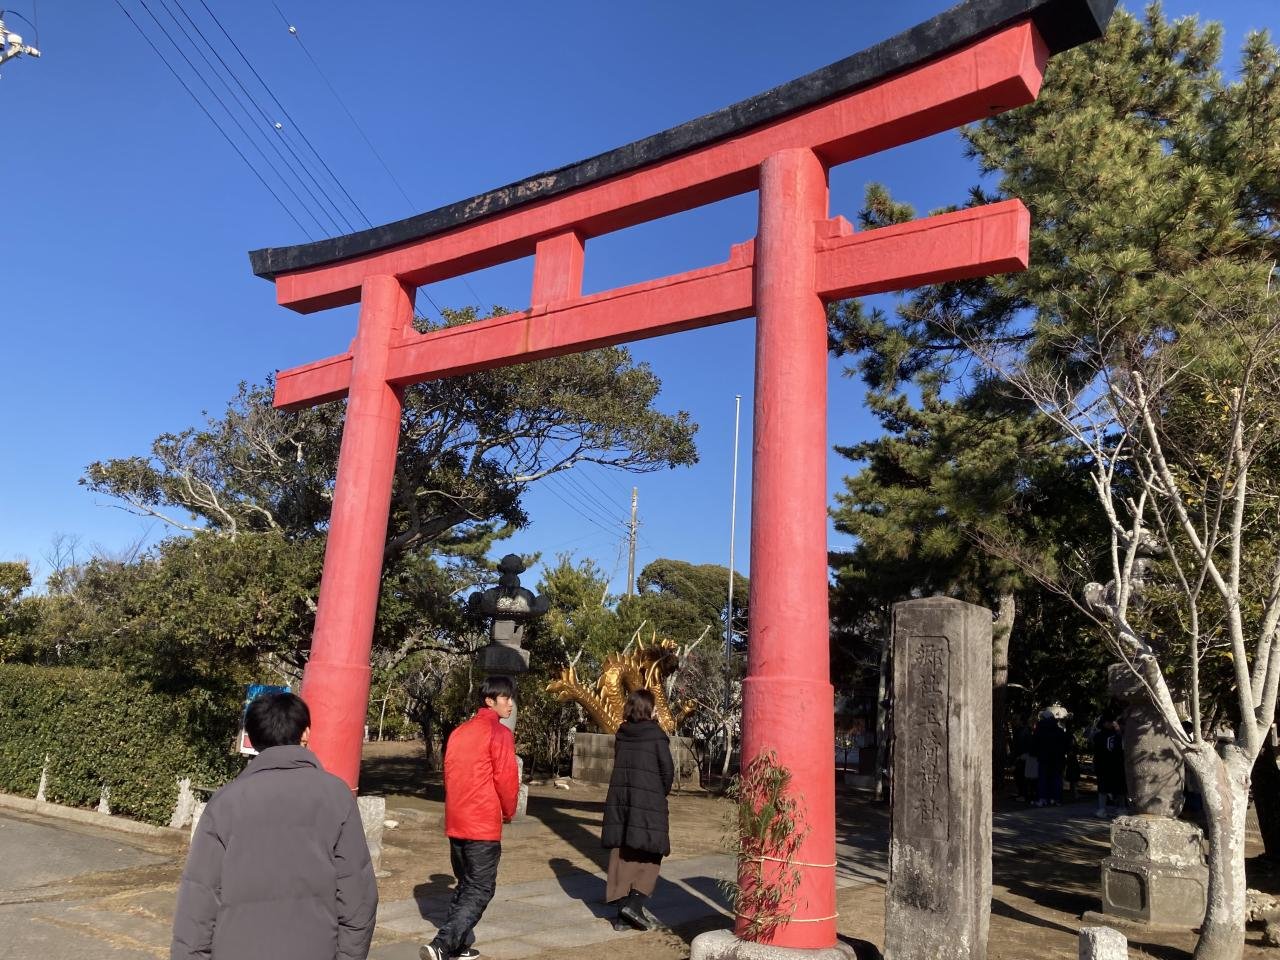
[733, 523]
[11, 45]
[631, 552]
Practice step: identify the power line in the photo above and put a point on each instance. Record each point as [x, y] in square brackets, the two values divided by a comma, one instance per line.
[208, 86]
[205, 111]
[240, 106]
[570, 480]
[293, 124]
[320, 200]
[298, 36]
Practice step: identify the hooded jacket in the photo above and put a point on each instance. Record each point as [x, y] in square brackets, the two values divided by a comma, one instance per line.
[635, 810]
[481, 781]
[278, 868]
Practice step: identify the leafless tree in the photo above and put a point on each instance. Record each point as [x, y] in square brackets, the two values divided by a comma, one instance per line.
[1181, 437]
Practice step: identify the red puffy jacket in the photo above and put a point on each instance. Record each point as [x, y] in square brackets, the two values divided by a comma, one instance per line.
[480, 779]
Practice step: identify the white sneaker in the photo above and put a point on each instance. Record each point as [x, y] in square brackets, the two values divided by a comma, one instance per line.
[466, 953]
[429, 951]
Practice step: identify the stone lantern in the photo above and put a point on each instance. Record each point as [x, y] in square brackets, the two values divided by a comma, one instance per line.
[509, 608]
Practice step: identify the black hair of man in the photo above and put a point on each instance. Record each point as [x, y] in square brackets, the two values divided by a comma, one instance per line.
[640, 706]
[495, 687]
[276, 720]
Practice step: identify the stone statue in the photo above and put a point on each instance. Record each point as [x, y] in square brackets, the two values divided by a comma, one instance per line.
[1153, 767]
[509, 607]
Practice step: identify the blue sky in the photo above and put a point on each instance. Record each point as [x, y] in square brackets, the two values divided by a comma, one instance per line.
[126, 303]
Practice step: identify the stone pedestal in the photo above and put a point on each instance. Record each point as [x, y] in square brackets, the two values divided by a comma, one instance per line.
[938, 902]
[593, 759]
[1156, 873]
[373, 813]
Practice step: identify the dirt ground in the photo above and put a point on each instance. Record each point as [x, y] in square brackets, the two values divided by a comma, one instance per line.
[1039, 891]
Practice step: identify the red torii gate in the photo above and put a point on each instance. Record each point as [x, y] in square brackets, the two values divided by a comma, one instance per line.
[980, 57]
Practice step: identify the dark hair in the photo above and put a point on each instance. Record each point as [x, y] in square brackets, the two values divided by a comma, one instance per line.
[639, 706]
[495, 687]
[276, 720]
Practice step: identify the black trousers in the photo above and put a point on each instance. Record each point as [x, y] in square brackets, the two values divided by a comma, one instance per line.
[475, 864]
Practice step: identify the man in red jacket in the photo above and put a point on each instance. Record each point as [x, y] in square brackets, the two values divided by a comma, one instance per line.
[480, 789]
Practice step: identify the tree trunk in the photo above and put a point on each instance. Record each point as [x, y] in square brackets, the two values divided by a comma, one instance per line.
[728, 747]
[1224, 784]
[1266, 798]
[882, 711]
[1002, 630]
[426, 722]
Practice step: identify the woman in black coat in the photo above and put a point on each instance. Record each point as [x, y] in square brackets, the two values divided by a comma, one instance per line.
[635, 811]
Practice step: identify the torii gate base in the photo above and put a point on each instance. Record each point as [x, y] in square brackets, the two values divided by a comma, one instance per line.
[980, 57]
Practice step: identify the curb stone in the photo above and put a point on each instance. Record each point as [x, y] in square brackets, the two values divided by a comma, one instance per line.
[107, 821]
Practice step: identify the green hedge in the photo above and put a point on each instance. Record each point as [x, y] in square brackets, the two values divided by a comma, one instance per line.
[99, 727]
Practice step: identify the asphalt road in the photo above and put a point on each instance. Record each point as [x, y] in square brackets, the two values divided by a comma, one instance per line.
[53, 900]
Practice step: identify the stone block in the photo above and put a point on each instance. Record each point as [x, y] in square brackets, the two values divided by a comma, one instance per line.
[1103, 943]
[938, 901]
[1156, 873]
[1155, 894]
[723, 945]
[593, 759]
[373, 813]
[499, 658]
[1175, 843]
[185, 807]
[522, 796]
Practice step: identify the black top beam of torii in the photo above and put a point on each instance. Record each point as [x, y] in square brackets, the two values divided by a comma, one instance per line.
[1062, 24]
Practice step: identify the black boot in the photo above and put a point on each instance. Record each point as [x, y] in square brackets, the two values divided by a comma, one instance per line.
[632, 911]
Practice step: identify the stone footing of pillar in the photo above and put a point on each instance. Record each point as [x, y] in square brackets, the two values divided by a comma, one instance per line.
[723, 945]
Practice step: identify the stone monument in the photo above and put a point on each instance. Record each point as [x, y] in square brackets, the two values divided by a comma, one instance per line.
[509, 607]
[1153, 770]
[938, 903]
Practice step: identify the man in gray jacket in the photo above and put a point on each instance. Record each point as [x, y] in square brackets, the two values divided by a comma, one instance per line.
[278, 867]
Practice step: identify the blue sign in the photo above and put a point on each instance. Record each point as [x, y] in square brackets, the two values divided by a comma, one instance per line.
[254, 691]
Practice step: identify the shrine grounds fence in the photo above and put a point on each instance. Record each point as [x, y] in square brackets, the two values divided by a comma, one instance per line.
[89, 729]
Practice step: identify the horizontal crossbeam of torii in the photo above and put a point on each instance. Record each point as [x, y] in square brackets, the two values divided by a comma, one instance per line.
[979, 58]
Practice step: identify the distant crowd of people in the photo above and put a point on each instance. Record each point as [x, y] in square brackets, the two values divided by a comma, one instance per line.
[1046, 759]
[279, 867]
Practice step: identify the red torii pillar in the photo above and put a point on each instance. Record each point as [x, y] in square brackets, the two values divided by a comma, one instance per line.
[982, 56]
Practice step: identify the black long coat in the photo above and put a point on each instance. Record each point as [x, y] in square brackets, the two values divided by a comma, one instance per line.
[635, 811]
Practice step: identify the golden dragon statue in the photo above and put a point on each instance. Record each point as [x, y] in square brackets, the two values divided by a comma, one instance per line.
[643, 667]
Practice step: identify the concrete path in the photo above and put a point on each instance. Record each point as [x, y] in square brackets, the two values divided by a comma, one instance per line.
[70, 892]
[528, 919]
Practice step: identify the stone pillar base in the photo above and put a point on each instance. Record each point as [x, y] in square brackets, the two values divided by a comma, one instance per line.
[723, 945]
[1156, 873]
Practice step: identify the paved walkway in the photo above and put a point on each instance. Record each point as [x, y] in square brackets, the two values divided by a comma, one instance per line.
[69, 892]
[528, 919]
